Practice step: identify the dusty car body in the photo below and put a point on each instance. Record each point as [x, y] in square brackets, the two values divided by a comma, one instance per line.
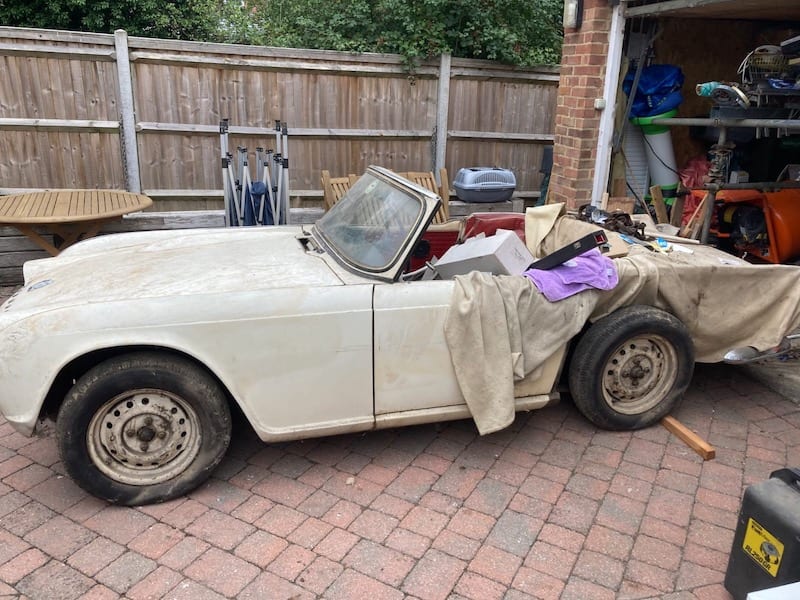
[244, 303]
[143, 342]
[304, 343]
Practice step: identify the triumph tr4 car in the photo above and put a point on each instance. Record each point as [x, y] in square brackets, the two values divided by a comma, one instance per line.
[144, 343]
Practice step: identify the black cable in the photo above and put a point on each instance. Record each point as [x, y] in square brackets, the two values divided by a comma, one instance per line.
[646, 141]
[636, 197]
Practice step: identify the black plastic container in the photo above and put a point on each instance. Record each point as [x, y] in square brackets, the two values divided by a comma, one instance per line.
[766, 545]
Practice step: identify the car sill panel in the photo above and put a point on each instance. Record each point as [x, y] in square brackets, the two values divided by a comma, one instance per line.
[456, 412]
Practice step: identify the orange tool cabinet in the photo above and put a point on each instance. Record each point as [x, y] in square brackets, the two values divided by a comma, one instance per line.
[738, 212]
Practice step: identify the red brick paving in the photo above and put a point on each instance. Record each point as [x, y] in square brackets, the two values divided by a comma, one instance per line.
[550, 508]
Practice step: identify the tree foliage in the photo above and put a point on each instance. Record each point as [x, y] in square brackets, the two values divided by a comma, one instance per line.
[172, 19]
[520, 32]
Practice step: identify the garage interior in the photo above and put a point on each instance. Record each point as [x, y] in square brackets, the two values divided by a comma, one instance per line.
[737, 146]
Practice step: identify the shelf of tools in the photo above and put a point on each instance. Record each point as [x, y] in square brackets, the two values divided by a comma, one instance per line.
[770, 85]
[263, 198]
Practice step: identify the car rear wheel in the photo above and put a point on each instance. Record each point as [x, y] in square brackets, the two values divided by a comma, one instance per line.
[142, 428]
[631, 367]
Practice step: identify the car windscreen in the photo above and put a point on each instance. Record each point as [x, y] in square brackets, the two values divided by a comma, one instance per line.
[369, 227]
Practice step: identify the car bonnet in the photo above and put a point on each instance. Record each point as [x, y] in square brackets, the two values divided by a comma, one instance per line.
[170, 263]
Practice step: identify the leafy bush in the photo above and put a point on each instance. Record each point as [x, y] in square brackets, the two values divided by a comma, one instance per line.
[171, 19]
[518, 32]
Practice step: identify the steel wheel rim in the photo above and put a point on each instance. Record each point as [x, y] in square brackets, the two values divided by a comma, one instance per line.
[639, 374]
[144, 437]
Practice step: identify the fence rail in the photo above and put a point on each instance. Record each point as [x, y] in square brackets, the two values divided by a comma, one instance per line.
[111, 111]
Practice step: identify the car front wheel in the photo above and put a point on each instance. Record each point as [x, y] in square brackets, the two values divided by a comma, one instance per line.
[142, 428]
[631, 367]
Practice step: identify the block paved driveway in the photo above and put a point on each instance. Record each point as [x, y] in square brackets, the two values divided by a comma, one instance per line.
[550, 508]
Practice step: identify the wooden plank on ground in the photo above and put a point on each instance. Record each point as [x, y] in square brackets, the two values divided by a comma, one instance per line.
[622, 203]
[676, 217]
[689, 437]
[618, 184]
[695, 221]
[658, 204]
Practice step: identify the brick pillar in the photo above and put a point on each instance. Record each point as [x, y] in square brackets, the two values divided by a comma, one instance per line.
[583, 64]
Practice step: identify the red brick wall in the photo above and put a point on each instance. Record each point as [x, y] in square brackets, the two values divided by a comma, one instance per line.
[583, 65]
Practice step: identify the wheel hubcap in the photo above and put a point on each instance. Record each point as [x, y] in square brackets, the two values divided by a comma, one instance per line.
[639, 374]
[144, 437]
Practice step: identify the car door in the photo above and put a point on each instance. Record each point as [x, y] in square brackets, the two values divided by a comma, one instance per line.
[412, 362]
[370, 234]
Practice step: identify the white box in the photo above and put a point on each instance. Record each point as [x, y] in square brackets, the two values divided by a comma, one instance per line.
[500, 254]
[784, 592]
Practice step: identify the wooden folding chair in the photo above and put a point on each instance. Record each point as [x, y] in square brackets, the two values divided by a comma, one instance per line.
[334, 188]
[427, 180]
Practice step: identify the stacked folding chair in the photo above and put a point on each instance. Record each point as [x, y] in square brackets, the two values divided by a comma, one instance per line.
[259, 200]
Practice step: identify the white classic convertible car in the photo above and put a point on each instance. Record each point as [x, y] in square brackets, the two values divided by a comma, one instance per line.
[142, 344]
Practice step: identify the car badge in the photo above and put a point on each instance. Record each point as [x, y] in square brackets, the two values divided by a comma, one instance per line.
[40, 284]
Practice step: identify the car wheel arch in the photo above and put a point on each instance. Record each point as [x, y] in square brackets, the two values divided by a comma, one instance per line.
[639, 358]
[143, 427]
[79, 365]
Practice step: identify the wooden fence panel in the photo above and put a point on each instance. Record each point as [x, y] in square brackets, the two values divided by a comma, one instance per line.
[504, 121]
[37, 159]
[186, 94]
[61, 125]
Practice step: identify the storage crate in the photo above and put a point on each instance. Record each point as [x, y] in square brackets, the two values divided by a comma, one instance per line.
[484, 184]
[766, 544]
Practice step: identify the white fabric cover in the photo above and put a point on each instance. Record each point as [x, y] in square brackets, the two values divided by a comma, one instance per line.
[725, 303]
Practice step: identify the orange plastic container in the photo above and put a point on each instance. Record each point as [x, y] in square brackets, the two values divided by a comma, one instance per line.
[781, 214]
[782, 211]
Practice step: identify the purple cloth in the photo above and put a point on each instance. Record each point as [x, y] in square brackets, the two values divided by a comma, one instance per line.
[588, 270]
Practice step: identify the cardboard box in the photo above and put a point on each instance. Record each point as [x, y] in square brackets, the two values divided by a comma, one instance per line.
[500, 254]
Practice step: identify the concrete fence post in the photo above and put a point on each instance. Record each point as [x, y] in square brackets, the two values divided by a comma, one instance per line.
[442, 105]
[127, 122]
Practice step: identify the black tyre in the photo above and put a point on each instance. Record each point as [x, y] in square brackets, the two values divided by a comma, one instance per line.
[630, 367]
[142, 428]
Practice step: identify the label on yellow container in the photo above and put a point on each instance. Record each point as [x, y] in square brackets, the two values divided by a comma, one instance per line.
[763, 547]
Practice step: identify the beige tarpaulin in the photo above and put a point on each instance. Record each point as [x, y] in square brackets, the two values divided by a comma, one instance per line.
[724, 302]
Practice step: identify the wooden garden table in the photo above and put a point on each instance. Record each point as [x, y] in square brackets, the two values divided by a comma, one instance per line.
[70, 215]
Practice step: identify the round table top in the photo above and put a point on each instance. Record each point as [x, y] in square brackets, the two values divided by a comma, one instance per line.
[69, 206]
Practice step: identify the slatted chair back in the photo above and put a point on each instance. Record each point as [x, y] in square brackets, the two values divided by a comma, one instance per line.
[427, 180]
[334, 188]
